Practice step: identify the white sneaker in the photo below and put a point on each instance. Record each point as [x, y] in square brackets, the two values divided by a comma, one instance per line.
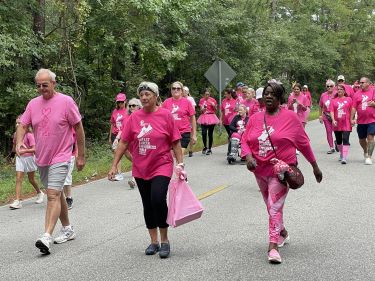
[368, 161]
[39, 198]
[44, 244]
[17, 204]
[297, 152]
[119, 177]
[66, 234]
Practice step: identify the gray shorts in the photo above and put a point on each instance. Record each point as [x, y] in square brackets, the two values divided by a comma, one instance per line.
[25, 164]
[54, 176]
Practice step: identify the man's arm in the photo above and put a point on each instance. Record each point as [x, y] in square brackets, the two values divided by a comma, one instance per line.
[80, 134]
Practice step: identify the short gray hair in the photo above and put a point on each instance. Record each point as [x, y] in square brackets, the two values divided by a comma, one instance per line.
[330, 82]
[49, 72]
[136, 102]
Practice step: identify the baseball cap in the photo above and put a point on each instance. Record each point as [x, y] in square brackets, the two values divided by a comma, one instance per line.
[121, 97]
[240, 84]
[340, 77]
[259, 93]
[305, 86]
[149, 86]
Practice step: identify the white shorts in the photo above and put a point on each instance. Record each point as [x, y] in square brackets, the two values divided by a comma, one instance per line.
[69, 178]
[54, 176]
[25, 164]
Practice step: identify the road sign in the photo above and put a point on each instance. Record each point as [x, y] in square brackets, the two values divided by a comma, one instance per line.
[220, 74]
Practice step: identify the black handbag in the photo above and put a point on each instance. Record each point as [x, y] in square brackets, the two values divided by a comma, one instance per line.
[294, 178]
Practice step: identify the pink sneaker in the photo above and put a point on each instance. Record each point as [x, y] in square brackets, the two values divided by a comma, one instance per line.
[283, 240]
[274, 256]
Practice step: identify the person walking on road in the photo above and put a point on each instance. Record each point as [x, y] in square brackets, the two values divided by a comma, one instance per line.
[183, 113]
[298, 103]
[324, 113]
[152, 132]
[364, 106]
[118, 117]
[286, 132]
[306, 92]
[207, 120]
[52, 116]
[186, 94]
[340, 109]
[25, 163]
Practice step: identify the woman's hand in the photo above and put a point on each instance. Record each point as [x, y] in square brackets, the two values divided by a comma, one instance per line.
[112, 173]
[318, 173]
[251, 163]
[321, 119]
[334, 123]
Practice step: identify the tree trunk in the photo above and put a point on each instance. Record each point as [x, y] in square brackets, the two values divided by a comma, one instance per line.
[39, 29]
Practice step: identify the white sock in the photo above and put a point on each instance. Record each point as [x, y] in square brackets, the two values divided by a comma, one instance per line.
[67, 227]
[47, 234]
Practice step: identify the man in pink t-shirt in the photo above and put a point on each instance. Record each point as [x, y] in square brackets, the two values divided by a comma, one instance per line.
[52, 116]
[364, 106]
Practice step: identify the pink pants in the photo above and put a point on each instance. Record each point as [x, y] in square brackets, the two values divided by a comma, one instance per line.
[329, 131]
[274, 194]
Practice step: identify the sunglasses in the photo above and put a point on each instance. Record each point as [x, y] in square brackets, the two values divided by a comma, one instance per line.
[42, 85]
[176, 88]
[132, 105]
[120, 101]
[329, 86]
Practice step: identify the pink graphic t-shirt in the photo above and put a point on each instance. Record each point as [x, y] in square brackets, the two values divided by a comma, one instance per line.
[341, 108]
[287, 135]
[298, 108]
[52, 121]
[118, 117]
[365, 113]
[228, 107]
[182, 110]
[150, 136]
[252, 106]
[28, 142]
[308, 97]
[324, 103]
[208, 104]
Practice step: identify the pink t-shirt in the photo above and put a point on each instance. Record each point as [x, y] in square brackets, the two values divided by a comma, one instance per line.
[150, 136]
[298, 108]
[287, 135]
[252, 106]
[365, 113]
[308, 97]
[325, 101]
[228, 107]
[341, 108]
[28, 142]
[52, 121]
[118, 117]
[182, 110]
[208, 104]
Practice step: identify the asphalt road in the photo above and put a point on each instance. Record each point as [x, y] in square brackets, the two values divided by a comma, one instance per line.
[331, 226]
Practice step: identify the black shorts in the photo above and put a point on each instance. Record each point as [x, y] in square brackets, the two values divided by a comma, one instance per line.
[364, 130]
[113, 137]
[185, 139]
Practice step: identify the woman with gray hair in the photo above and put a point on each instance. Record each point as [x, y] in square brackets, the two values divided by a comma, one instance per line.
[150, 133]
[324, 113]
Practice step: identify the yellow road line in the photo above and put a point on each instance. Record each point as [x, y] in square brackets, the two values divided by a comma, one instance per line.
[212, 191]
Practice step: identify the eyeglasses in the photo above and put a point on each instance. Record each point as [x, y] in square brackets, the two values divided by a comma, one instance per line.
[45, 85]
[362, 82]
[176, 89]
[329, 86]
[132, 105]
[120, 101]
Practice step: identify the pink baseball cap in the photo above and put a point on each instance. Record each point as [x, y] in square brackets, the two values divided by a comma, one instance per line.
[120, 97]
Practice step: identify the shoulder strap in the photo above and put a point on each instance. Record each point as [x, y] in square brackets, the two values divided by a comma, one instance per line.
[269, 137]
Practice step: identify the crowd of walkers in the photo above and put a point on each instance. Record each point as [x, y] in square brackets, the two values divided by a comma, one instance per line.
[264, 126]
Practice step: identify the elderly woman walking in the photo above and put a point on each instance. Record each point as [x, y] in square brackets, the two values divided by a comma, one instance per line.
[282, 130]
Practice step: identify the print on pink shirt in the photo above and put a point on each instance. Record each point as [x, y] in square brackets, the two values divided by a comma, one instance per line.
[264, 142]
[45, 122]
[364, 102]
[174, 111]
[144, 143]
[119, 121]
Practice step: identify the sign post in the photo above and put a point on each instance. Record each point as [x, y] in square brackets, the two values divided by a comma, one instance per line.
[219, 75]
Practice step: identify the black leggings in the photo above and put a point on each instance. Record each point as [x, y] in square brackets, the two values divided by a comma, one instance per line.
[154, 199]
[342, 137]
[210, 129]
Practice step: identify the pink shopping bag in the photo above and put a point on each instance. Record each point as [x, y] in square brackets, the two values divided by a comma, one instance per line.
[183, 205]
